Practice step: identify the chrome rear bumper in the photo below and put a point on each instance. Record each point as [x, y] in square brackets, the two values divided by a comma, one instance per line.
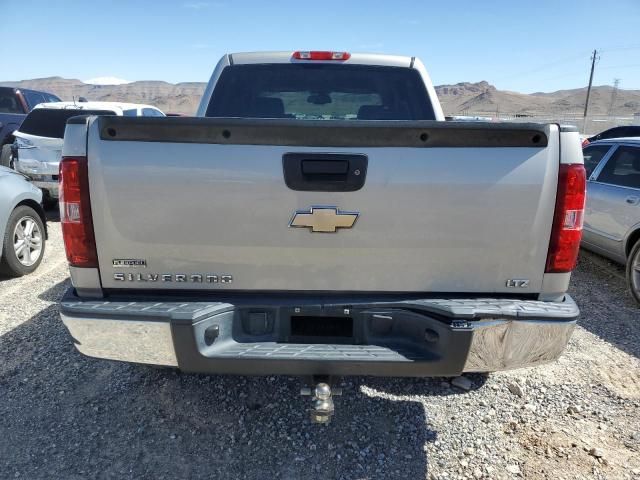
[126, 340]
[391, 338]
[516, 343]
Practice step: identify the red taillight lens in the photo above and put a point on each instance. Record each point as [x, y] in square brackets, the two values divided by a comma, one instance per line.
[321, 55]
[568, 218]
[585, 142]
[75, 213]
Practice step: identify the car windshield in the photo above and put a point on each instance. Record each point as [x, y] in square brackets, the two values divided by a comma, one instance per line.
[44, 122]
[320, 92]
[9, 102]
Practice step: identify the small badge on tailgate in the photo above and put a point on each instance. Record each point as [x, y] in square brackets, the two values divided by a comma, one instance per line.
[129, 262]
[323, 219]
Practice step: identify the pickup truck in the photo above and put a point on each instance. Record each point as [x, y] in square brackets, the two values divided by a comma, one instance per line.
[15, 103]
[320, 218]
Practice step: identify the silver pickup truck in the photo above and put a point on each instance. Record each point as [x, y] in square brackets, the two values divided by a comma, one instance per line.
[320, 218]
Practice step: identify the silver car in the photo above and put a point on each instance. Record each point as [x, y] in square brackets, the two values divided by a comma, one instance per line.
[612, 214]
[22, 225]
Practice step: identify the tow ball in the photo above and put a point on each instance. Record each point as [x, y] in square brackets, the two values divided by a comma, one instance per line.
[321, 394]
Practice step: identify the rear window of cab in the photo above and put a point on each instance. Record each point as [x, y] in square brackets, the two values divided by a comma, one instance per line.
[320, 92]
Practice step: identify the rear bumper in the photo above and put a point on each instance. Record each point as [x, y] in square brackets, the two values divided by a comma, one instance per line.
[48, 185]
[429, 337]
[42, 175]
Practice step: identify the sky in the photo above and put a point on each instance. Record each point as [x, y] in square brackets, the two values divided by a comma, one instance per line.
[515, 45]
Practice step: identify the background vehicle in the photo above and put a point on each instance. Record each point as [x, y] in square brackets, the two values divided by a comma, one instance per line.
[612, 216]
[14, 105]
[22, 225]
[327, 221]
[38, 141]
[615, 132]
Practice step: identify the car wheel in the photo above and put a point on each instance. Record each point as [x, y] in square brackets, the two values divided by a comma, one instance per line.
[23, 243]
[5, 156]
[633, 271]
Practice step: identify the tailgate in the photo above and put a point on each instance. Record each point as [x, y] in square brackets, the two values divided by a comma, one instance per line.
[203, 204]
[41, 155]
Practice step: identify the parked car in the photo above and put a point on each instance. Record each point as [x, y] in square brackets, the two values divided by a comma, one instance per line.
[38, 142]
[612, 215]
[15, 103]
[326, 221]
[23, 226]
[615, 132]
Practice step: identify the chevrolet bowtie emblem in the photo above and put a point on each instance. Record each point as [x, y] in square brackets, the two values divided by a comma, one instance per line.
[323, 219]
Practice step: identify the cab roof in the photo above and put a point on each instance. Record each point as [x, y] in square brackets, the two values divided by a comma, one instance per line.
[242, 58]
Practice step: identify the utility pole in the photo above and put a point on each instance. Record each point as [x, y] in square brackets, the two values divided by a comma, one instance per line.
[594, 58]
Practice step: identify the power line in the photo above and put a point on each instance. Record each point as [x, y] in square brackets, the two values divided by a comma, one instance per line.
[544, 66]
[617, 48]
[563, 61]
[610, 67]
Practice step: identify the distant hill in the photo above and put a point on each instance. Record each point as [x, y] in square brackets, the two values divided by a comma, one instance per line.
[483, 97]
[461, 98]
[169, 97]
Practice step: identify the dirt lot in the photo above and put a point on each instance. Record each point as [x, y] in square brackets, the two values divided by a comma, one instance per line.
[66, 416]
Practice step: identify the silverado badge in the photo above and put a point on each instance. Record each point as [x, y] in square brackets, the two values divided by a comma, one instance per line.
[323, 219]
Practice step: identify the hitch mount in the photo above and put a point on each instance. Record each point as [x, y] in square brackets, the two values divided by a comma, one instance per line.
[321, 393]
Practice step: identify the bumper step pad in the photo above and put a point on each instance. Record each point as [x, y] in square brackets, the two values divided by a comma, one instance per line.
[356, 353]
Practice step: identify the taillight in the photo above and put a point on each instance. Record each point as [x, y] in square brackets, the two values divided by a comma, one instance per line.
[568, 218]
[75, 213]
[585, 142]
[321, 55]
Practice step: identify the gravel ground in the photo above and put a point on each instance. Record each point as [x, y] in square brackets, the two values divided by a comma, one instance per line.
[66, 416]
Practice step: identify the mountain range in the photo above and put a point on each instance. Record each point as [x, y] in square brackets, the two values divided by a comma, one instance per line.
[466, 98]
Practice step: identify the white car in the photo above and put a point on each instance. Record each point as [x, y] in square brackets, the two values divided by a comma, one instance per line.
[119, 108]
[37, 148]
